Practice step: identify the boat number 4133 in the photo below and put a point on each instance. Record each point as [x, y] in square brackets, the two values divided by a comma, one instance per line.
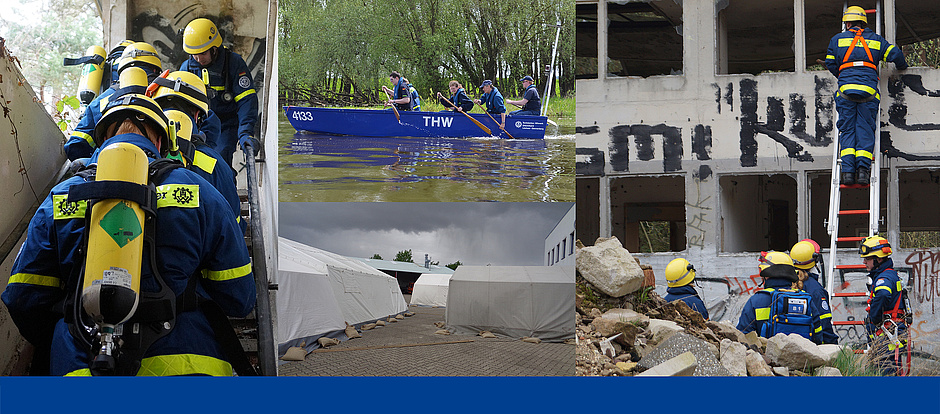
[303, 116]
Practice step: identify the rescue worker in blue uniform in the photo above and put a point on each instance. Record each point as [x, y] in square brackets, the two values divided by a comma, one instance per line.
[805, 254]
[778, 272]
[493, 100]
[401, 94]
[184, 93]
[134, 55]
[197, 240]
[679, 277]
[458, 97]
[887, 322]
[853, 57]
[530, 103]
[235, 100]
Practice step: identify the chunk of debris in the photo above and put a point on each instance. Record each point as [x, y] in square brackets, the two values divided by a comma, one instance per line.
[794, 351]
[828, 372]
[682, 365]
[609, 267]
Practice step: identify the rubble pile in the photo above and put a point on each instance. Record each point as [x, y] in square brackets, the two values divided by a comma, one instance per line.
[624, 328]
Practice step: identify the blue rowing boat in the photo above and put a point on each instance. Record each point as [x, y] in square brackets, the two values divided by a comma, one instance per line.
[382, 123]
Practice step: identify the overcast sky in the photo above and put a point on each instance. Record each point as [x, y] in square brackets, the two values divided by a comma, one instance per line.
[474, 233]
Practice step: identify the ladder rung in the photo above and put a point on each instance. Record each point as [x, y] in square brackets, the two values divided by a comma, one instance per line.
[848, 212]
[837, 323]
[855, 266]
[859, 351]
[849, 239]
[850, 295]
[858, 186]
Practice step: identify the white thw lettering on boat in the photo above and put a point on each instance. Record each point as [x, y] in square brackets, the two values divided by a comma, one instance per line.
[438, 121]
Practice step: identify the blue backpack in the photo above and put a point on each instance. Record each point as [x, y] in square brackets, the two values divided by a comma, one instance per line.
[790, 312]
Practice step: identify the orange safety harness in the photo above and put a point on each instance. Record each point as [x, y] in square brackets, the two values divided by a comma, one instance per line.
[858, 39]
[896, 316]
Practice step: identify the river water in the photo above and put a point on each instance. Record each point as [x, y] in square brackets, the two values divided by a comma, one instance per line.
[349, 168]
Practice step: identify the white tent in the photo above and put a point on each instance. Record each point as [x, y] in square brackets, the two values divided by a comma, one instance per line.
[319, 291]
[514, 301]
[431, 290]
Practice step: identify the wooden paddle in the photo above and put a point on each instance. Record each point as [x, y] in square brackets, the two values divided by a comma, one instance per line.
[397, 116]
[497, 123]
[479, 124]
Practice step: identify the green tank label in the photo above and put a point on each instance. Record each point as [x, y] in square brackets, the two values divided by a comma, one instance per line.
[121, 224]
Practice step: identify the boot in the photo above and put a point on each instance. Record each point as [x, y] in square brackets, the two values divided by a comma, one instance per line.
[848, 178]
[864, 176]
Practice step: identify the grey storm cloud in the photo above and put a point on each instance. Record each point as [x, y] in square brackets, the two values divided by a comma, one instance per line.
[474, 233]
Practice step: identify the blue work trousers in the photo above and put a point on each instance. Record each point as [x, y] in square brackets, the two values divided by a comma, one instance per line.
[856, 132]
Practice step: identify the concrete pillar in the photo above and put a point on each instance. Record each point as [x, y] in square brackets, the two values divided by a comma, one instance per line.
[602, 41]
[799, 36]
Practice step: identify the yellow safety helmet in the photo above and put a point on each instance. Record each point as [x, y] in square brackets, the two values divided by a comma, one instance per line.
[855, 14]
[142, 55]
[804, 254]
[130, 102]
[777, 265]
[875, 246]
[200, 35]
[679, 272]
[184, 86]
[184, 124]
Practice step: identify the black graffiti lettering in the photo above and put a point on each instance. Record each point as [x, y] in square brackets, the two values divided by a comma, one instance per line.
[644, 141]
[672, 144]
[793, 149]
[888, 148]
[587, 130]
[824, 105]
[704, 171]
[729, 96]
[916, 84]
[897, 112]
[702, 142]
[775, 117]
[593, 166]
[748, 131]
[619, 148]
[717, 96]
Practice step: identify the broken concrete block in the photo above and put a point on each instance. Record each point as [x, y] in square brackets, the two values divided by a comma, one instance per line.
[752, 339]
[781, 371]
[756, 366]
[831, 351]
[662, 330]
[609, 267]
[733, 357]
[828, 372]
[682, 365]
[725, 329]
[626, 367]
[679, 343]
[627, 316]
[794, 351]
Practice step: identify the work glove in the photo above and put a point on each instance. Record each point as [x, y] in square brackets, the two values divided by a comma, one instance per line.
[248, 139]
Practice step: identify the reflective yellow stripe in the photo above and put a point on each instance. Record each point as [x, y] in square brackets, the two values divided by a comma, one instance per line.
[863, 153]
[221, 275]
[218, 88]
[84, 136]
[899, 286]
[857, 87]
[885, 57]
[84, 372]
[885, 288]
[825, 316]
[818, 330]
[830, 57]
[178, 195]
[847, 151]
[204, 162]
[184, 364]
[762, 314]
[38, 280]
[244, 94]
[62, 209]
[104, 103]
[872, 44]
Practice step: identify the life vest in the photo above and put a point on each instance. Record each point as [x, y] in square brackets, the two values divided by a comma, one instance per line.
[790, 312]
[415, 98]
[532, 104]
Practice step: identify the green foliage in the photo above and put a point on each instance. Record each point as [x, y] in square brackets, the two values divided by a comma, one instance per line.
[454, 265]
[404, 256]
[654, 236]
[376, 256]
[851, 364]
[336, 61]
[643, 295]
[66, 118]
[926, 53]
[65, 28]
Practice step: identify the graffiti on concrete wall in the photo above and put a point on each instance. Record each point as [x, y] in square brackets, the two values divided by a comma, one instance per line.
[925, 264]
[164, 34]
[786, 123]
[698, 211]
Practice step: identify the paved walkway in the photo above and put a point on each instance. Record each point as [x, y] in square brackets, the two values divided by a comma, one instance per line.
[433, 355]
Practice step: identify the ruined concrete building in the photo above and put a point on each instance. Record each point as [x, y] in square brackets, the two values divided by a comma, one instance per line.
[712, 120]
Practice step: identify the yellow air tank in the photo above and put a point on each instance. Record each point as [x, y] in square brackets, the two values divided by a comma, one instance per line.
[90, 84]
[111, 286]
